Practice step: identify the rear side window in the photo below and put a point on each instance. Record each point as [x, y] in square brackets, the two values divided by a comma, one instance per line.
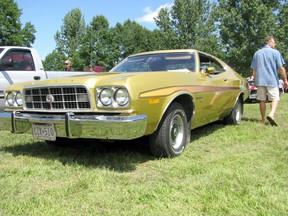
[17, 60]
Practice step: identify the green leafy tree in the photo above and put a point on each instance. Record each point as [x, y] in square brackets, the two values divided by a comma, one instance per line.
[132, 38]
[69, 38]
[54, 61]
[99, 28]
[11, 31]
[282, 31]
[97, 45]
[166, 36]
[243, 26]
[189, 24]
[114, 48]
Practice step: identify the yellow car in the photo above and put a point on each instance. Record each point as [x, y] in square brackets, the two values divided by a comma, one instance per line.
[161, 95]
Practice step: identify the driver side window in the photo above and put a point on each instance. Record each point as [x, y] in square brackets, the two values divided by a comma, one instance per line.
[207, 61]
[17, 60]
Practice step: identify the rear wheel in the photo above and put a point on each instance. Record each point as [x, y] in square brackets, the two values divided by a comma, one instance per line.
[235, 116]
[171, 137]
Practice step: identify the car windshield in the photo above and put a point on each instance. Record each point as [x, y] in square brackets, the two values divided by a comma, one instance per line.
[1, 49]
[182, 62]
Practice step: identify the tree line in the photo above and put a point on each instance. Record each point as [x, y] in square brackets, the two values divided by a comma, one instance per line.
[229, 29]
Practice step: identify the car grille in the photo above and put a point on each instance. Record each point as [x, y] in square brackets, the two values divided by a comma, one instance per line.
[57, 98]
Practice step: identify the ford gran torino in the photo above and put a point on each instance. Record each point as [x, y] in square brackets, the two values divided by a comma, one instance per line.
[160, 95]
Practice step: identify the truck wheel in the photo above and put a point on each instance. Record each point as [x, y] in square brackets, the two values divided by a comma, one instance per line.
[235, 116]
[170, 138]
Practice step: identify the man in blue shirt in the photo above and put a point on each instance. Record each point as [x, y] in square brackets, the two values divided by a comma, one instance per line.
[266, 64]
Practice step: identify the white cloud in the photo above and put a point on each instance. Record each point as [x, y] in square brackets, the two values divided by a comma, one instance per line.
[150, 15]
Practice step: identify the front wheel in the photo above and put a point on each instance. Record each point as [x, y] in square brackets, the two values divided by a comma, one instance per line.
[171, 137]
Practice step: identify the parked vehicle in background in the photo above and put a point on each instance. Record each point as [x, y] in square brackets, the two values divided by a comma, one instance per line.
[160, 95]
[20, 64]
[253, 91]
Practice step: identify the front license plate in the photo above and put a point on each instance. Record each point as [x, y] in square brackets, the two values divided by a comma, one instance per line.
[44, 131]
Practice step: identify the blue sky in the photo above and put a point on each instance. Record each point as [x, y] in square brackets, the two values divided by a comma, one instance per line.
[47, 16]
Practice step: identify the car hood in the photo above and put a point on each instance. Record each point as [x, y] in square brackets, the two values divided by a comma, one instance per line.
[138, 81]
[112, 78]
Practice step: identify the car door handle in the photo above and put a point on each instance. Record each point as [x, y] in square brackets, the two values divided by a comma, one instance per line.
[37, 78]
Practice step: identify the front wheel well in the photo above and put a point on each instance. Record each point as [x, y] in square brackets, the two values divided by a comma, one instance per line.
[187, 102]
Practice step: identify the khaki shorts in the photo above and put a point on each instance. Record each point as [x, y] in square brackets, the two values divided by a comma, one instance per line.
[271, 92]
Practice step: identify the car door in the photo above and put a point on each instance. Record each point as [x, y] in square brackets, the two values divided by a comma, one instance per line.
[17, 65]
[217, 98]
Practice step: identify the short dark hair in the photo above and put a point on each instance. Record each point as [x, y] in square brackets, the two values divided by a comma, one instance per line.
[268, 39]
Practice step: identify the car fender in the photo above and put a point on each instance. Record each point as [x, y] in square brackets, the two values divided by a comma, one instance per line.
[240, 95]
[182, 97]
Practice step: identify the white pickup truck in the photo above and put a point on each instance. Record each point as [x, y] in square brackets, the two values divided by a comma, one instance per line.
[20, 64]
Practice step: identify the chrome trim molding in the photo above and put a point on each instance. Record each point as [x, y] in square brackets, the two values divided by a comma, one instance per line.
[73, 125]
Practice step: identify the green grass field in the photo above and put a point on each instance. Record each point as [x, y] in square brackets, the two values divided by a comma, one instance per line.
[225, 170]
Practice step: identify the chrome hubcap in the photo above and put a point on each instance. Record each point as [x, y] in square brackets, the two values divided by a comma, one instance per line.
[176, 131]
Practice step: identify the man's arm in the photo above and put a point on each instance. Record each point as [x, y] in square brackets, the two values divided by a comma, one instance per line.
[282, 71]
[253, 74]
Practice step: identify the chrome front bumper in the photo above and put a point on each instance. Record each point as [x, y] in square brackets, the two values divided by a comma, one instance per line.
[72, 125]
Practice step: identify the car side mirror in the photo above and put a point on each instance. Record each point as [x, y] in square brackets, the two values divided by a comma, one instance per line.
[210, 70]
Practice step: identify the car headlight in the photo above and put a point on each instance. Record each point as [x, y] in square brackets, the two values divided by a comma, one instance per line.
[14, 98]
[121, 97]
[10, 98]
[106, 96]
[19, 99]
[112, 97]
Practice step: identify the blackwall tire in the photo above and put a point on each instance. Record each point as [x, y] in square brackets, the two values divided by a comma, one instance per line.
[235, 116]
[170, 139]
